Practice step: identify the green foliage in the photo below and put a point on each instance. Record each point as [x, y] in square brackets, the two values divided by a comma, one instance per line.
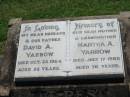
[36, 9]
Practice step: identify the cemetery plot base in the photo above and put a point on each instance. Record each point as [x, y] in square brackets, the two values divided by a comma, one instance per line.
[73, 91]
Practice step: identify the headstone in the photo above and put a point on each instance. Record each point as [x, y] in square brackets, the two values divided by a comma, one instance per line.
[70, 50]
[73, 46]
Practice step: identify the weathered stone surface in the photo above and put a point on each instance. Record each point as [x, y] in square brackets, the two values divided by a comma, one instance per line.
[1, 59]
[7, 85]
[125, 14]
[14, 21]
[4, 90]
[7, 68]
[74, 91]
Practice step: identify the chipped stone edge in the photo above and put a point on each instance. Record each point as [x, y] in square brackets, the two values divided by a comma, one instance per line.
[5, 69]
[4, 91]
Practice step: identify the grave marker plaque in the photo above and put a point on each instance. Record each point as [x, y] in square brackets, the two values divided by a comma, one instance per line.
[70, 49]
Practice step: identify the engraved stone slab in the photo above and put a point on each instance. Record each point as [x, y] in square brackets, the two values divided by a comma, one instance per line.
[81, 91]
[70, 49]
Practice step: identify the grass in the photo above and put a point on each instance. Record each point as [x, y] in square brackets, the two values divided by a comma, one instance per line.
[36, 9]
